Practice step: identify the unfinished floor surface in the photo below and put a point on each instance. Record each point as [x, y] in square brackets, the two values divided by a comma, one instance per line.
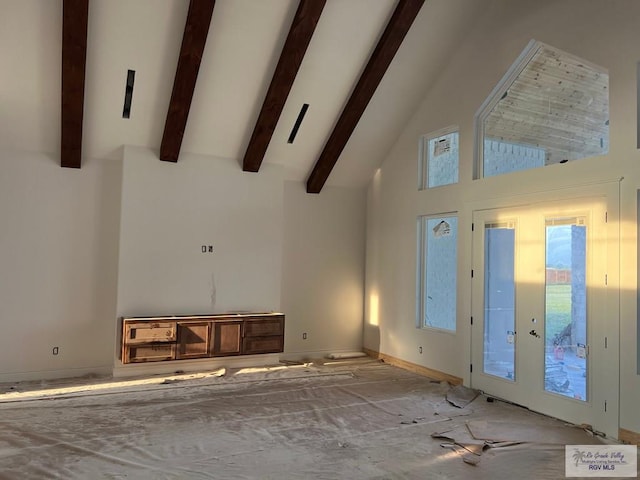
[358, 419]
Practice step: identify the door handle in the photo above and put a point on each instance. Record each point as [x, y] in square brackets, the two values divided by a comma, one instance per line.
[533, 333]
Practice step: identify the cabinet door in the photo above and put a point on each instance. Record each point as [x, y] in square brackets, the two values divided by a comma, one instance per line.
[193, 340]
[226, 338]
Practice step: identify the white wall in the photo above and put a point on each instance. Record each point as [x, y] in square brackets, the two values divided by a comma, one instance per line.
[604, 33]
[323, 269]
[170, 210]
[276, 248]
[79, 248]
[58, 261]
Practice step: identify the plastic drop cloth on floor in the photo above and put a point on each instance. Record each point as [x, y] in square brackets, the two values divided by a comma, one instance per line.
[352, 419]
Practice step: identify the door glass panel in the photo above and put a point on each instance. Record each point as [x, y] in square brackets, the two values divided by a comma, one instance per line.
[566, 308]
[499, 300]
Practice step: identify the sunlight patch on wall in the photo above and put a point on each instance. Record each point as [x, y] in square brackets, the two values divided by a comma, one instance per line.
[374, 309]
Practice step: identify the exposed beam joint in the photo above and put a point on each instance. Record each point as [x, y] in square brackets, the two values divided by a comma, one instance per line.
[302, 28]
[391, 39]
[194, 38]
[75, 16]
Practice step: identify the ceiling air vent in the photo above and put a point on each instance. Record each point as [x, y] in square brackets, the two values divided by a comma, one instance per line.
[296, 126]
[128, 95]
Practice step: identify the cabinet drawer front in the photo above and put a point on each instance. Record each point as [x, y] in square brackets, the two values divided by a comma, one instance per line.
[264, 327]
[144, 332]
[252, 345]
[149, 353]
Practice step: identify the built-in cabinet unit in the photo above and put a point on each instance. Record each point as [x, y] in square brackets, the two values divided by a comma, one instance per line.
[155, 339]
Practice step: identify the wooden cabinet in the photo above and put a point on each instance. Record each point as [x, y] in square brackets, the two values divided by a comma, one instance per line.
[150, 352]
[263, 335]
[151, 341]
[154, 339]
[227, 338]
[152, 331]
[193, 339]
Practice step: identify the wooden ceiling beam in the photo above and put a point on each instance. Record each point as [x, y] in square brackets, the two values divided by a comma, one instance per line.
[302, 28]
[75, 16]
[194, 38]
[391, 39]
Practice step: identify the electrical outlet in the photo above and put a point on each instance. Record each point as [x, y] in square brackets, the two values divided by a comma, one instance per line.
[420, 350]
[304, 336]
[55, 351]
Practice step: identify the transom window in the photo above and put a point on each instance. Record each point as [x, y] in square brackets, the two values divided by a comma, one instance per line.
[439, 156]
[551, 107]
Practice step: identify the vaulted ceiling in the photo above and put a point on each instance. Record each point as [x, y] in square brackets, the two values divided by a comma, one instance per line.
[225, 78]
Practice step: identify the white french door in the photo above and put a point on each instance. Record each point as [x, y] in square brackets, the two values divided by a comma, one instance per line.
[538, 304]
